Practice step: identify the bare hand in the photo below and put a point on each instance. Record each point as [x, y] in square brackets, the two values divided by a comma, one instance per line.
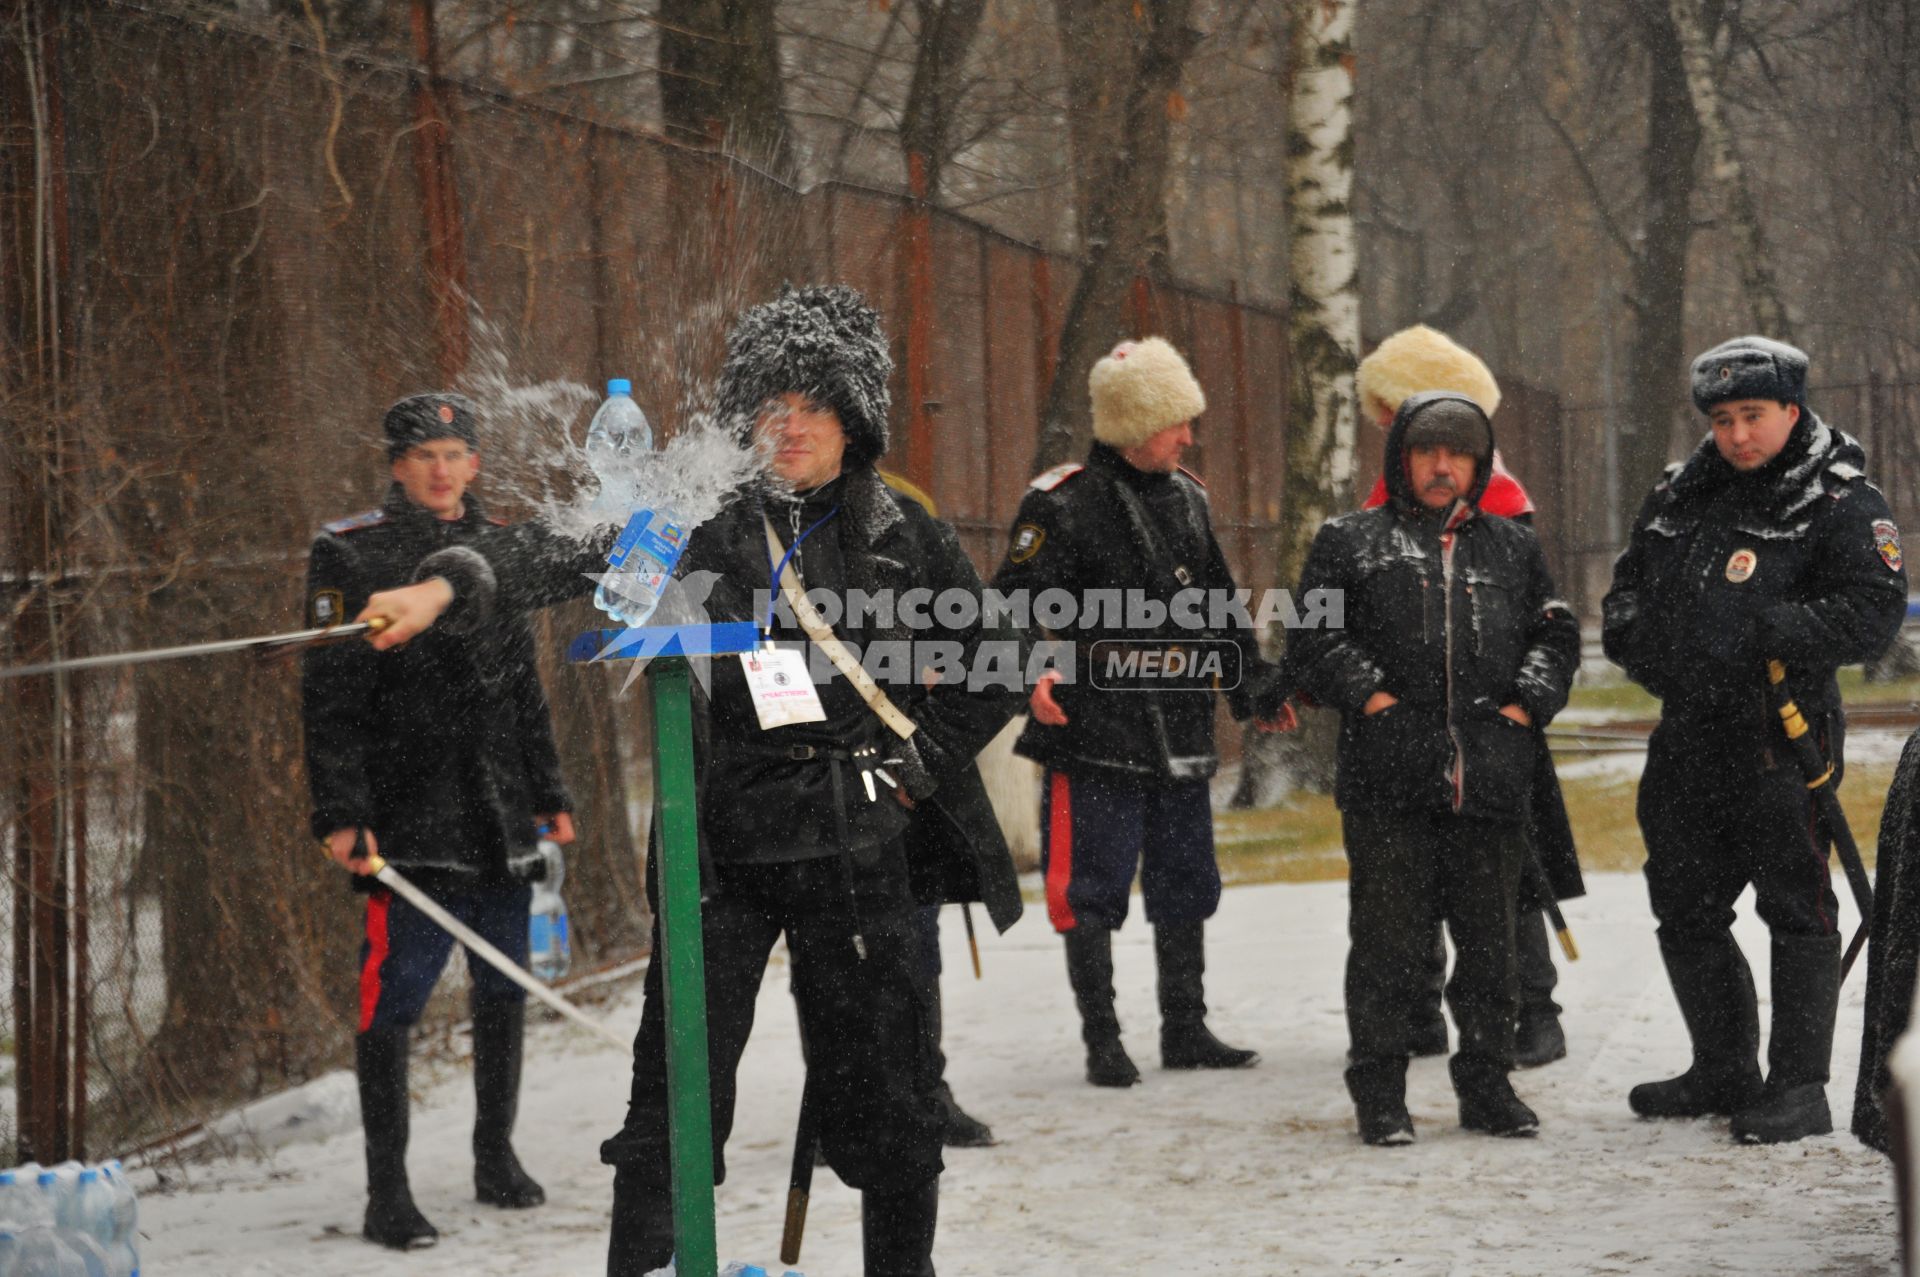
[1283, 721]
[1380, 701]
[1518, 714]
[340, 847]
[1046, 710]
[408, 611]
[559, 826]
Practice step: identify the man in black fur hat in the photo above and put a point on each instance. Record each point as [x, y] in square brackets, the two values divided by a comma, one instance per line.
[806, 826]
[1768, 543]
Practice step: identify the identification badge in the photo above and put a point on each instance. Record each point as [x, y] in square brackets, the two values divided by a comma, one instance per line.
[783, 694]
[1741, 565]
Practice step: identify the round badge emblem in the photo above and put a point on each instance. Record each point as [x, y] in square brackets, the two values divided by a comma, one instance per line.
[446, 414]
[1741, 565]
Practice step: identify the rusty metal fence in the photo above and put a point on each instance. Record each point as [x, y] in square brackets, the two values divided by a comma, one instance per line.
[221, 255]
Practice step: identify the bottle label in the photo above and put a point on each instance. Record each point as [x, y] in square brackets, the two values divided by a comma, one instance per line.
[629, 537]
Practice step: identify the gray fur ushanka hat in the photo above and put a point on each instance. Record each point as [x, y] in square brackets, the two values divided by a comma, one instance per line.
[1750, 368]
[822, 341]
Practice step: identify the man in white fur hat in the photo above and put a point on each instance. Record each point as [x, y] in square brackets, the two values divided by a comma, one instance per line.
[1127, 743]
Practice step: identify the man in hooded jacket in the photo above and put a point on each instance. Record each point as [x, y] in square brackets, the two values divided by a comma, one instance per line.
[1407, 363]
[1768, 543]
[801, 834]
[1454, 648]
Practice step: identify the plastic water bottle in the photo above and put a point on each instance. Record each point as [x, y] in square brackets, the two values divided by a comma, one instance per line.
[44, 1253]
[122, 1248]
[642, 558]
[549, 944]
[93, 1218]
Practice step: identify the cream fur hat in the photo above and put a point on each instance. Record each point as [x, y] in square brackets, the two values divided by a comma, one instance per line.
[1140, 389]
[1421, 358]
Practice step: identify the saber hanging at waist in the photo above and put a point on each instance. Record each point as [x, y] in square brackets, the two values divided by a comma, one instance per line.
[264, 645]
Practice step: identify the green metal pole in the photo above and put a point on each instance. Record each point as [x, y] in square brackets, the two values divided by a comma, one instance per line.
[684, 977]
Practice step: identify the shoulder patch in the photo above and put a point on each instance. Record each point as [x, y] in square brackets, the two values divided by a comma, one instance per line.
[1845, 471]
[1886, 542]
[499, 522]
[1055, 477]
[1191, 475]
[1026, 542]
[355, 522]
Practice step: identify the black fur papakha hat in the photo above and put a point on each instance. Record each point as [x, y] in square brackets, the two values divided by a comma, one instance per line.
[822, 341]
[419, 419]
[1750, 368]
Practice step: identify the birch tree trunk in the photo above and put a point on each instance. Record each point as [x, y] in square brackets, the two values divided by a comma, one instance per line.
[1324, 343]
[1691, 25]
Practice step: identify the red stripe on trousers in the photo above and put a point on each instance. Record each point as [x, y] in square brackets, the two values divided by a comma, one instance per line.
[377, 905]
[1059, 852]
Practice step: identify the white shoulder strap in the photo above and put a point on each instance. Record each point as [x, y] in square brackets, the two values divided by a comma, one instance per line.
[826, 640]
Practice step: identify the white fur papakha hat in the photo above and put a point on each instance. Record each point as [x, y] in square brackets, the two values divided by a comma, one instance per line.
[1140, 389]
[1419, 359]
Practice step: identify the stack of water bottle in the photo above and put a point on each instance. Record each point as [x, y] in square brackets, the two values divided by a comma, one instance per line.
[735, 1268]
[67, 1221]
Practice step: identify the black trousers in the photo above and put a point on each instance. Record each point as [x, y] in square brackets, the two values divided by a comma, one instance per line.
[1405, 869]
[863, 1018]
[1718, 811]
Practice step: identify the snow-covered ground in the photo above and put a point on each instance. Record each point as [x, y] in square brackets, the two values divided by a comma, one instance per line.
[1249, 1173]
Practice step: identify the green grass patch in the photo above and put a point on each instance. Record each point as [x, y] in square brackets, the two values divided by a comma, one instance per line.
[1299, 841]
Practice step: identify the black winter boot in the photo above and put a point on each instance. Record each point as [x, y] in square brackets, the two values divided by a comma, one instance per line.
[1090, 971]
[380, 1064]
[1379, 1090]
[1806, 997]
[1537, 1036]
[1427, 1030]
[896, 1230]
[962, 1129]
[1179, 951]
[498, 1177]
[1487, 1101]
[641, 1239]
[1714, 987]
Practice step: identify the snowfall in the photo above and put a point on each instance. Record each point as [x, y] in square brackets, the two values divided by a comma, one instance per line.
[1249, 1172]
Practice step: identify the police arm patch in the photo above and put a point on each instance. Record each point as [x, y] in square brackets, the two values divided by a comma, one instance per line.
[1027, 540]
[325, 609]
[1886, 541]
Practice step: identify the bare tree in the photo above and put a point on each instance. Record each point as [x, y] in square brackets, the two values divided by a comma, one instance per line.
[1114, 49]
[720, 79]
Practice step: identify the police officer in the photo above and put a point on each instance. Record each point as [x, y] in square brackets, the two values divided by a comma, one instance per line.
[439, 757]
[1453, 652]
[808, 828]
[1768, 543]
[1127, 760]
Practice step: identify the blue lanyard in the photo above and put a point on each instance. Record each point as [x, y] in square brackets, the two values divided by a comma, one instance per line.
[773, 583]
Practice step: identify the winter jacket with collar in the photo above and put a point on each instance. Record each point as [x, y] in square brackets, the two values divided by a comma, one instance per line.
[443, 747]
[770, 795]
[1454, 613]
[1798, 561]
[1107, 528]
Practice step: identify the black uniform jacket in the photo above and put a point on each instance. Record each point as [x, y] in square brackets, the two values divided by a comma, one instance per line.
[1893, 955]
[443, 747]
[1453, 612]
[1108, 528]
[773, 795]
[1798, 561]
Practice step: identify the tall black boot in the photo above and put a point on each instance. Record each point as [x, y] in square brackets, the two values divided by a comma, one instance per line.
[962, 1129]
[1806, 997]
[380, 1064]
[641, 1238]
[1537, 1036]
[1487, 1101]
[1179, 950]
[498, 1177]
[1714, 987]
[896, 1230]
[1090, 971]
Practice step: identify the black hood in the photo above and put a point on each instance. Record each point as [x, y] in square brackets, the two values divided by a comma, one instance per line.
[1394, 463]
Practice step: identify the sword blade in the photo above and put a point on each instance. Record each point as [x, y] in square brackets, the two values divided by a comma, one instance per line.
[267, 642]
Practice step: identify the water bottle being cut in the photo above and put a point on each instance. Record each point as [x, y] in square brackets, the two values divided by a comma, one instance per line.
[619, 449]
